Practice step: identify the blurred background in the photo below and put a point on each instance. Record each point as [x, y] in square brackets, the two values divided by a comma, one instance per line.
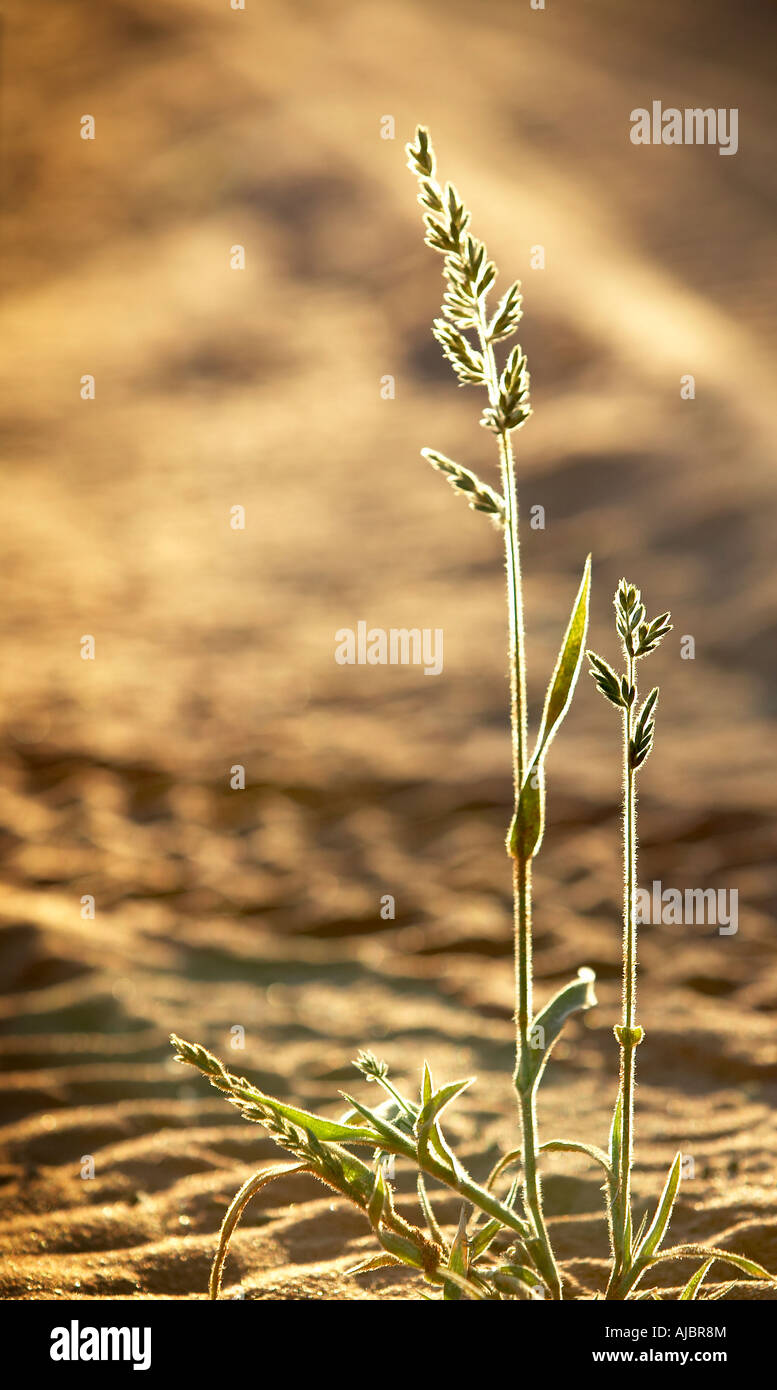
[218, 910]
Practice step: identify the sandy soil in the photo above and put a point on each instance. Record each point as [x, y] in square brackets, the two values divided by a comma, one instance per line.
[261, 908]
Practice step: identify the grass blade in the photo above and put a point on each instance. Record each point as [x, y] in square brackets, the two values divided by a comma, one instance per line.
[458, 1260]
[506, 1161]
[645, 1253]
[379, 1199]
[751, 1267]
[392, 1138]
[428, 1211]
[691, 1288]
[526, 831]
[374, 1262]
[427, 1130]
[400, 1247]
[641, 1231]
[572, 1146]
[578, 995]
[483, 1238]
[658, 1226]
[619, 1251]
[235, 1210]
[567, 667]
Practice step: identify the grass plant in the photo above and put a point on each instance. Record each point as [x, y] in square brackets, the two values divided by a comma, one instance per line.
[501, 1249]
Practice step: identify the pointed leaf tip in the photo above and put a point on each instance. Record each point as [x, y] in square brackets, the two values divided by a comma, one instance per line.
[527, 827]
[575, 997]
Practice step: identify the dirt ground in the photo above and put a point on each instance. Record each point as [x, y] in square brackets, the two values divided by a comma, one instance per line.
[259, 909]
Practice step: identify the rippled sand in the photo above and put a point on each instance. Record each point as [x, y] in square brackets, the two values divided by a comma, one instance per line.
[261, 908]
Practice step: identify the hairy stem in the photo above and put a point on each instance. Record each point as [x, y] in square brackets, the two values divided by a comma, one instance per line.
[485, 1201]
[629, 964]
[522, 879]
[629, 865]
[628, 1042]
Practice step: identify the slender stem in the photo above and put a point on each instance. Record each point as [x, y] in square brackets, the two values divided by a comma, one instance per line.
[630, 856]
[515, 604]
[628, 1045]
[455, 1177]
[401, 1102]
[522, 887]
[485, 1201]
[522, 878]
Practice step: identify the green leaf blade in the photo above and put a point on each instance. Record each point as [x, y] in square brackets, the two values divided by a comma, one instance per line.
[711, 1252]
[575, 997]
[695, 1281]
[658, 1226]
[427, 1129]
[564, 678]
[392, 1138]
[528, 824]
[458, 1260]
[573, 1146]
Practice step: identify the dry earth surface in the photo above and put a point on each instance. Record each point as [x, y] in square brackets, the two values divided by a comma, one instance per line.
[260, 908]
